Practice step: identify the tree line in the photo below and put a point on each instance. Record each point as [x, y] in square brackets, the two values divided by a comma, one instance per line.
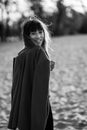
[65, 21]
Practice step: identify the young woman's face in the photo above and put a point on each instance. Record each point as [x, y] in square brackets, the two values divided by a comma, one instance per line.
[37, 37]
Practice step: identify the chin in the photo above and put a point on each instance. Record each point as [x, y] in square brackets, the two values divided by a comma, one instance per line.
[39, 44]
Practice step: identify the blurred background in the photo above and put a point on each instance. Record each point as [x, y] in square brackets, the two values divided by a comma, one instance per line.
[63, 16]
[67, 23]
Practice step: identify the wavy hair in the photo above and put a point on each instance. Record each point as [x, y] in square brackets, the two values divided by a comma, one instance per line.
[41, 25]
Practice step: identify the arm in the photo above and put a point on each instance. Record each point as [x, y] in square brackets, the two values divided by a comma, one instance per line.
[52, 65]
[40, 93]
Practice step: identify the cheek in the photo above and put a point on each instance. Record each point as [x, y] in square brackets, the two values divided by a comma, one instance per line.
[43, 35]
[32, 37]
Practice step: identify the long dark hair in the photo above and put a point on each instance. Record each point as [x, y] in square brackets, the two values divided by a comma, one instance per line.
[32, 24]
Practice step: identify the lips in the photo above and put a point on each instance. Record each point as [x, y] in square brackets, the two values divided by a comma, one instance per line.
[39, 40]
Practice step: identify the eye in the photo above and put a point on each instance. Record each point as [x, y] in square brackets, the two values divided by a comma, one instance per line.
[32, 33]
[40, 31]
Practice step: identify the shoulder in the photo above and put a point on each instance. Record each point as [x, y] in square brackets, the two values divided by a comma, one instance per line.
[37, 55]
[37, 51]
[34, 50]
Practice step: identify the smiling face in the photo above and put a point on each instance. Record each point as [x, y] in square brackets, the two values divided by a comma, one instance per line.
[37, 37]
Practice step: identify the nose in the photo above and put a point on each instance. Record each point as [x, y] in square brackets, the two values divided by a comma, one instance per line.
[38, 34]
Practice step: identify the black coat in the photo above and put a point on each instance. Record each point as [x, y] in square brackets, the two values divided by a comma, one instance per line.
[30, 90]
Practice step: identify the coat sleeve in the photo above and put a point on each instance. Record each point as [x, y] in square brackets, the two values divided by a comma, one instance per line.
[12, 91]
[40, 93]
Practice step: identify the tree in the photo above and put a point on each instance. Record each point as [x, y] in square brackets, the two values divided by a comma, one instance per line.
[3, 20]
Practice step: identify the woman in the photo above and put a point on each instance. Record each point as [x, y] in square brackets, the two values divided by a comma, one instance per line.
[30, 107]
